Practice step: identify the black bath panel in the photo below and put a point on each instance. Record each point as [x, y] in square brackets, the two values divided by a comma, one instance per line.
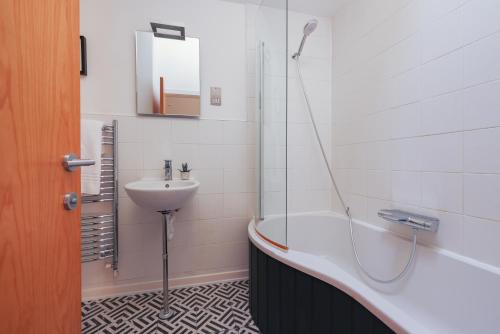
[284, 300]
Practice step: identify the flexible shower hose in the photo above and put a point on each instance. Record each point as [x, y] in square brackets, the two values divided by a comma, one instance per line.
[404, 271]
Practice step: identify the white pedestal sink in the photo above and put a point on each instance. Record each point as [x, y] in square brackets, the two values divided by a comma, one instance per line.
[166, 197]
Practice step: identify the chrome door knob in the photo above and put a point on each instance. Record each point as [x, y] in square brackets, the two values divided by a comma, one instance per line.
[71, 162]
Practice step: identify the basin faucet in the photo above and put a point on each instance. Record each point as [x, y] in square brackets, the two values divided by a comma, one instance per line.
[168, 170]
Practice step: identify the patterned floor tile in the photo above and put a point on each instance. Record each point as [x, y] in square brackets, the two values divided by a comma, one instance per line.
[120, 327]
[96, 324]
[208, 309]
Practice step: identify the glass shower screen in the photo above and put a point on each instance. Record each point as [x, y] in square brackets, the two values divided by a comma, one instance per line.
[271, 50]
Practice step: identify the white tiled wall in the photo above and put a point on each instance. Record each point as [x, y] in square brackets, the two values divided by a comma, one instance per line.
[289, 137]
[210, 226]
[267, 26]
[416, 113]
[309, 187]
[110, 26]
[210, 231]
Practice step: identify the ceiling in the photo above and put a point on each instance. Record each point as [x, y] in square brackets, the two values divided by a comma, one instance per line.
[314, 7]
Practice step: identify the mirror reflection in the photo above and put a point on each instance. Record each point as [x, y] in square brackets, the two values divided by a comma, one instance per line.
[167, 76]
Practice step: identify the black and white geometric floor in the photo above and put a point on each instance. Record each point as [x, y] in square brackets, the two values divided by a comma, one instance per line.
[207, 309]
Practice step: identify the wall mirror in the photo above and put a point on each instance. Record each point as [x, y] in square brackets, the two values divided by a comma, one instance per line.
[167, 75]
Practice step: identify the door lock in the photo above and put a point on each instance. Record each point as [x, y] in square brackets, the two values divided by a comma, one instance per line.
[70, 201]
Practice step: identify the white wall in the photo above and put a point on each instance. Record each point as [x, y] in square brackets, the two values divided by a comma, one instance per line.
[416, 115]
[210, 232]
[110, 26]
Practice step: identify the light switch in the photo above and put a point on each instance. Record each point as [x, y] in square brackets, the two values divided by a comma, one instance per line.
[215, 96]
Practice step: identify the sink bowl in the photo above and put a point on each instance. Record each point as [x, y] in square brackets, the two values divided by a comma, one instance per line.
[159, 195]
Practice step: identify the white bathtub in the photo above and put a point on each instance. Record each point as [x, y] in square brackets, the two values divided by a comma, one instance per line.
[443, 293]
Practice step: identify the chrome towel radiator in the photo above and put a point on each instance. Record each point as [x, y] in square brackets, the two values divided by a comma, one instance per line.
[99, 220]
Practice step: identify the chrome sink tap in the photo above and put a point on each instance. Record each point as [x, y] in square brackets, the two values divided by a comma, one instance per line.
[168, 170]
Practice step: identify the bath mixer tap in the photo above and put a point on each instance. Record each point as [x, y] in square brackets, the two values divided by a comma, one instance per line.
[168, 170]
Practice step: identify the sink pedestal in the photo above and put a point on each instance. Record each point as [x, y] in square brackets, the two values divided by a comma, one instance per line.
[166, 312]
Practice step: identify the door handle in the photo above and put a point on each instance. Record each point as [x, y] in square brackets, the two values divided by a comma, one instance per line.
[71, 162]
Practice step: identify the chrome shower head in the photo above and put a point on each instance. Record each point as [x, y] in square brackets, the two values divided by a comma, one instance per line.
[308, 29]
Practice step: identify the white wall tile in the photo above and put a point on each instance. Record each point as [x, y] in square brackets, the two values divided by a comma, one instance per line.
[235, 157]
[443, 191]
[211, 132]
[482, 106]
[155, 130]
[319, 200]
[434, 10]
[480, 18]
[209, 156]
[129, 213]
[131, 237]
[236, 180]
[443, 114]
[130, 156]
[406, 121]
[442, 36]
[403, 56]
[185, 131]
[443, 75]
[152, 236]
[131, 265]
[481, 61]
[189, 211]
[211, 206]
[481, 148]
[481, 240]
[481, 196]
[211, 181]
[408, 87]
[379, 184]
[130, 129]
[406, 154]
[235, 133]
[443, 153]
[357, 181]
[378, 155]
[235, 205]
[407, 187]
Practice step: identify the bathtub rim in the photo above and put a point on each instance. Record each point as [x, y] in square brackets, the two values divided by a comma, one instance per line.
[395, 319]
[442, 251]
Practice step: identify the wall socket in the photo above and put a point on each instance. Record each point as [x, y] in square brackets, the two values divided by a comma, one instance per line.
[215, 96]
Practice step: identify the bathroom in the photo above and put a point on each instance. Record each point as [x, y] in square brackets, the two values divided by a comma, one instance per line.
[332, 168]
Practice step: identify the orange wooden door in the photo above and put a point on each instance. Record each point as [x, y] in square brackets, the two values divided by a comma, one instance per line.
[39, 123]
